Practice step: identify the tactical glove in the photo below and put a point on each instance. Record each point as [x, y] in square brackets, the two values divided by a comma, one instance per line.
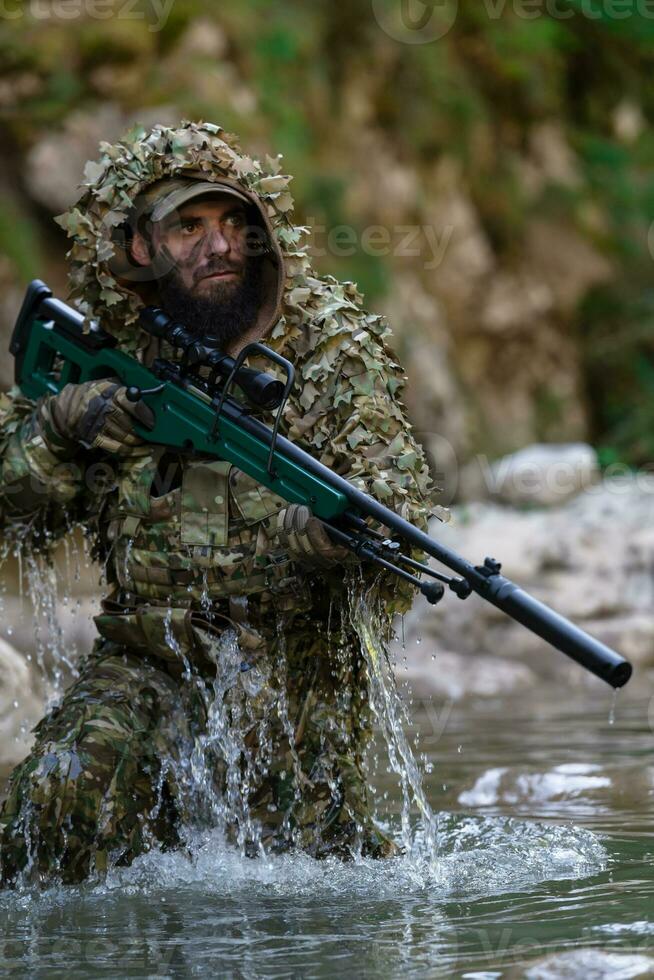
[95, 415]
[305, 537]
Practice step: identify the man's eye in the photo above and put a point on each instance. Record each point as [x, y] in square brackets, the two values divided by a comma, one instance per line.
[236, 219]
[189, 225]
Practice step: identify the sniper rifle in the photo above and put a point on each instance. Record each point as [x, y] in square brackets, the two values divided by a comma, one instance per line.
[195, 410]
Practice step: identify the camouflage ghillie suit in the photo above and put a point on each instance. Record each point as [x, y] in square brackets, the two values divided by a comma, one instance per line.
[207, 613]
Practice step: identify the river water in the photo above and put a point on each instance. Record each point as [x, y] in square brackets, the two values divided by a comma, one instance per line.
[544, 843]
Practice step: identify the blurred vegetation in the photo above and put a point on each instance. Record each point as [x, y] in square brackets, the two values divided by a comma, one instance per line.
[302, 69]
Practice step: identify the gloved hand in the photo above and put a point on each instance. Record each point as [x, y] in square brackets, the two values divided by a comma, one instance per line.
[95, 415]
[306, 539]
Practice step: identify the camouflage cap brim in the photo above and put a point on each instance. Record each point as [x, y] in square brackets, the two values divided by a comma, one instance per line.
[168, 196]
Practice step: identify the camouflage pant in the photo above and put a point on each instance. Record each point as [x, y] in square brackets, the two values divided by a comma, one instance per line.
[125, 761]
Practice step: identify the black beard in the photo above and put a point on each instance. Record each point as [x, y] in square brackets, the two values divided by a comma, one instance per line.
[226, 315]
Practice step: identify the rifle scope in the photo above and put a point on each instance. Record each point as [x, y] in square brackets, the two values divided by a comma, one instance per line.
[263, 390]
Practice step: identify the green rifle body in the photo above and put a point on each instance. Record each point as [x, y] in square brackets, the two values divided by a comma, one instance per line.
[184, 417]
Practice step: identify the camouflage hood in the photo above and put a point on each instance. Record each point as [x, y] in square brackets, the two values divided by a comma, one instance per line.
[345, 406]
[101, 285]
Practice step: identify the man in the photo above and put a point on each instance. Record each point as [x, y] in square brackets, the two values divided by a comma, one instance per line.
[228, 684]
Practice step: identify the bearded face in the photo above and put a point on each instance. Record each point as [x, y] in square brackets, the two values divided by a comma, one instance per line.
[208, 267]
[224, 309]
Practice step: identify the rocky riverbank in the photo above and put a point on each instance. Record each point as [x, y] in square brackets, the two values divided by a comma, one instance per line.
[591, 558]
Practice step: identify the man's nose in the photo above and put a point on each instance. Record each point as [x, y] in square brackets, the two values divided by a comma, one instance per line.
[216, 243]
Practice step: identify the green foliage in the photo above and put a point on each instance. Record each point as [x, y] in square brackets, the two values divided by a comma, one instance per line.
[313, 74]
[117, 41]
[618, 348]
[19, 240]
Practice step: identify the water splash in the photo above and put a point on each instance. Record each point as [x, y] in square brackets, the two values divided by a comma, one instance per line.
[392, 718]
[47, 591]
[205, 598]
[480, 856]
[174, 646]
[232, 746]
[5, 551]
[47, 580]
[247, 726]
[280, 673]
[127, 582]
[222, 748]
[233, 749]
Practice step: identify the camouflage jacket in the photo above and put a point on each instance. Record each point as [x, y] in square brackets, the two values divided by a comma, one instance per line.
[210, 533]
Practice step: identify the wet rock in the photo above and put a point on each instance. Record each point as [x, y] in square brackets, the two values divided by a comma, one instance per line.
[468, 259]
[507, 317]
[631, 634]
[564, 782]
[542, 475]
[197, 65]
[203, 38]
[21, 706]
[436, 394]
[590, 787]
[591, 559]
[518, 406]
[592, 964]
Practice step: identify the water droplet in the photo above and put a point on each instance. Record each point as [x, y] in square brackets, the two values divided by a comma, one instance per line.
[614, 700]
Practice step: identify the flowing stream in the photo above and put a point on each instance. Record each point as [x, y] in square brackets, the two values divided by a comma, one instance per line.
[526, 825]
